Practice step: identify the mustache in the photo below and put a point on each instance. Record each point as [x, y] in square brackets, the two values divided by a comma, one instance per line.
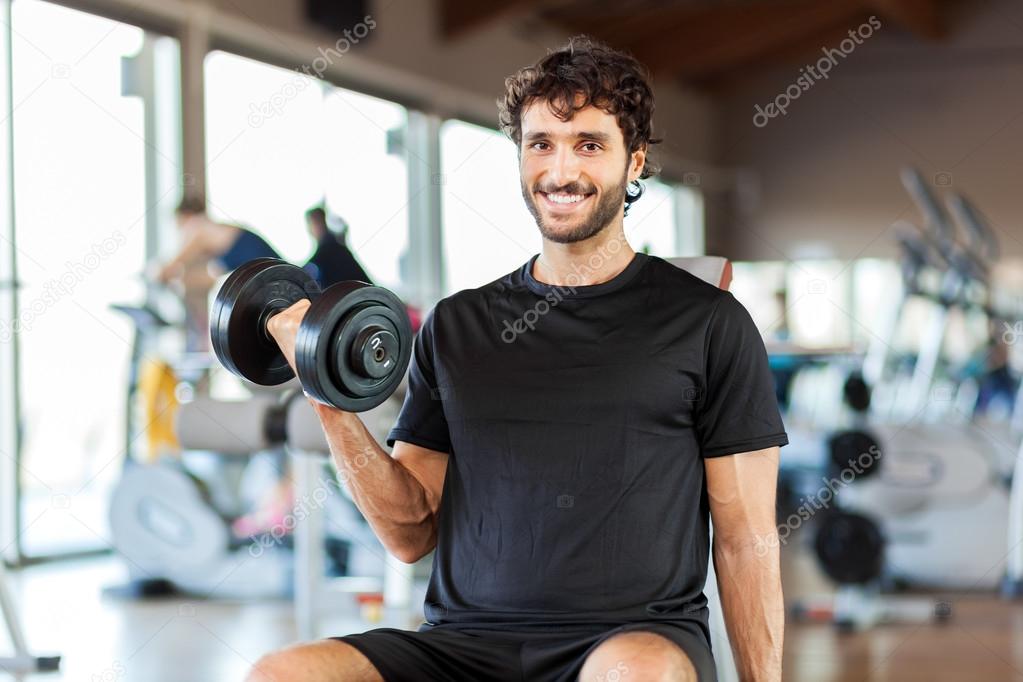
[571, 188]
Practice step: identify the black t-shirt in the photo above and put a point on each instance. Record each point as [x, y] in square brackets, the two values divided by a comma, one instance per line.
[577, 421]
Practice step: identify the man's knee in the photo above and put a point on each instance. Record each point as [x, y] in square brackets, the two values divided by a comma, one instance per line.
[638, 656]
[318, 662]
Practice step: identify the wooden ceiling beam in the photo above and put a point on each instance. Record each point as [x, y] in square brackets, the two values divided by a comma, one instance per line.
[458, 17]
[920, 17]
[719, 39]
[796, 54]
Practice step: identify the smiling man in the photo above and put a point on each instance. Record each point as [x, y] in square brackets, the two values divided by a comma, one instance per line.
[569, 431]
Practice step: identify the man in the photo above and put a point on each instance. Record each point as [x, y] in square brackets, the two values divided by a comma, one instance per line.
[332, 262]
[205, 240]
[567, 431]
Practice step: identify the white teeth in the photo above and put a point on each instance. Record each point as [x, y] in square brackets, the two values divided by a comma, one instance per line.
[565, 198]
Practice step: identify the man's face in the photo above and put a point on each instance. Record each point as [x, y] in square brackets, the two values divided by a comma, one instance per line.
[574, 173]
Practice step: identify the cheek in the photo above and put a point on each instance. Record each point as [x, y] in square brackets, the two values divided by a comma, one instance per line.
[609, 178]
[529, 171]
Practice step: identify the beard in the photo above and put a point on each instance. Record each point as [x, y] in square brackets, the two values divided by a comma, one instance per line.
[599, 217]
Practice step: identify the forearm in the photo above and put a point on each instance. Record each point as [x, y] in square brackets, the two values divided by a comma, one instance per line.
[393, 501]
[195, 249]
[749, 582]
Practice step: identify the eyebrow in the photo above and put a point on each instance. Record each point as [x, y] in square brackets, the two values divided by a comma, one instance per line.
[583, 135]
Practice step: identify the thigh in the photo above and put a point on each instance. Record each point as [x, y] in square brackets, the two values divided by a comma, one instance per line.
[559, 657]
[326, 661]
[692, 642]
[438, 654]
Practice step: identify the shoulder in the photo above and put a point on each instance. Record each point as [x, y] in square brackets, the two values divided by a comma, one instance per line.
[661, 269]
[684, 288]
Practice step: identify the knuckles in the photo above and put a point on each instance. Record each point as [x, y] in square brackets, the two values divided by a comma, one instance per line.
[287, 321]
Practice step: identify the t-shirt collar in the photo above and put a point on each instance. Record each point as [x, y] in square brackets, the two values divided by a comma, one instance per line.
[583, 291]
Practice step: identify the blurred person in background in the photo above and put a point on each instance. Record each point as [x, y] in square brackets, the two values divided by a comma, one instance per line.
[997, 383]
[205, 241]
[333, 261]
[209, 249]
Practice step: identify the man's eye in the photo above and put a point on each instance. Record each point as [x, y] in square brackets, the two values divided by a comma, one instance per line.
[540, 146]
[591, 147]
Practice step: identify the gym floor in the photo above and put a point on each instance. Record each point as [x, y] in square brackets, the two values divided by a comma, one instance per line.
[177, 640]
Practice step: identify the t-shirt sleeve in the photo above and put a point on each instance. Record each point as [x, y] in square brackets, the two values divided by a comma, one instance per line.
[739, 410]
[421, 420]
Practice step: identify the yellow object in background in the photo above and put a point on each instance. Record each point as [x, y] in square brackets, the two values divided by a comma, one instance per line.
[159, 402]
[371, 606]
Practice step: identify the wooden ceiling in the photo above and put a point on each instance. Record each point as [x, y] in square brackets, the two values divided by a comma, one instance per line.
[706, 43]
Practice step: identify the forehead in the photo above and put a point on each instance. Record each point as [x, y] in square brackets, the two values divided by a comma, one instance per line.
[537, 117]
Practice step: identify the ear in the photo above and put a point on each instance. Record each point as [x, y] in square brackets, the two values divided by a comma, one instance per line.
[636, 162]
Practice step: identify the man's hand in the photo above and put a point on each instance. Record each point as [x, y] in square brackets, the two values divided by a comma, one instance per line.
[283, 327]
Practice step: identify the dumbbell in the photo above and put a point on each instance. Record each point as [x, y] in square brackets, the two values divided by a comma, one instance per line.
[353, 345]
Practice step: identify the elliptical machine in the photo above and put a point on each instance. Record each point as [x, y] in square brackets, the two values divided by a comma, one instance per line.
[911, 519]
[171, 511]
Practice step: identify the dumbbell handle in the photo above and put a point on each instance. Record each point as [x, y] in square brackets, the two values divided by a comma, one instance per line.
[352, 347]
[272, 309]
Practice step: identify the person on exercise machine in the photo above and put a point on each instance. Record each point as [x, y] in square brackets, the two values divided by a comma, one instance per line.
[568, 432]
[333, 261]
[205, 241]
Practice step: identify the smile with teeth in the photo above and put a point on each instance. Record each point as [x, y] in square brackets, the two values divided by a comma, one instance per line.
[562, 198]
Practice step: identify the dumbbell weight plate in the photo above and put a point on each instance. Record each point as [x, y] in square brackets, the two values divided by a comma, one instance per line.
[226, 293]
[855, 450]
[353, 346]
[250, 295]
[849, 548]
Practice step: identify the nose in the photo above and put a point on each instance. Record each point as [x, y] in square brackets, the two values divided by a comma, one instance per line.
[564, 168]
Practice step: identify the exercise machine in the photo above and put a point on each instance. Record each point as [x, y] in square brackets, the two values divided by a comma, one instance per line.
[170, 513]
[913, 519]
[173, 526]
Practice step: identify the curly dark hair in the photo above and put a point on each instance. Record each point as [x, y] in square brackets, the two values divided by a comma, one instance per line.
[608, 79]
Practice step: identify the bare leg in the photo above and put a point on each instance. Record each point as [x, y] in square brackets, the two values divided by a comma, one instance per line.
[324, 661]
[638, 656]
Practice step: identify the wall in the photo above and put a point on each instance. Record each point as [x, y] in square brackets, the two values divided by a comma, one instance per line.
[823, 179]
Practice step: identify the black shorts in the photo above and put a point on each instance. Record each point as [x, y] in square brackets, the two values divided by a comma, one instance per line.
[538, 654]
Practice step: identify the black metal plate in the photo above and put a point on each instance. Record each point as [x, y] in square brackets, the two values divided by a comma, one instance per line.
[239, 313]
[856, 450]
[323, 349]
[850, 548]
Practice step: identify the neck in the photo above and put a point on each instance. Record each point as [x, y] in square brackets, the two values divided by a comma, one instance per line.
[598, 259]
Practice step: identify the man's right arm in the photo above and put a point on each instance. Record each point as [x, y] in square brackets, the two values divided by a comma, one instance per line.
[399, 494]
